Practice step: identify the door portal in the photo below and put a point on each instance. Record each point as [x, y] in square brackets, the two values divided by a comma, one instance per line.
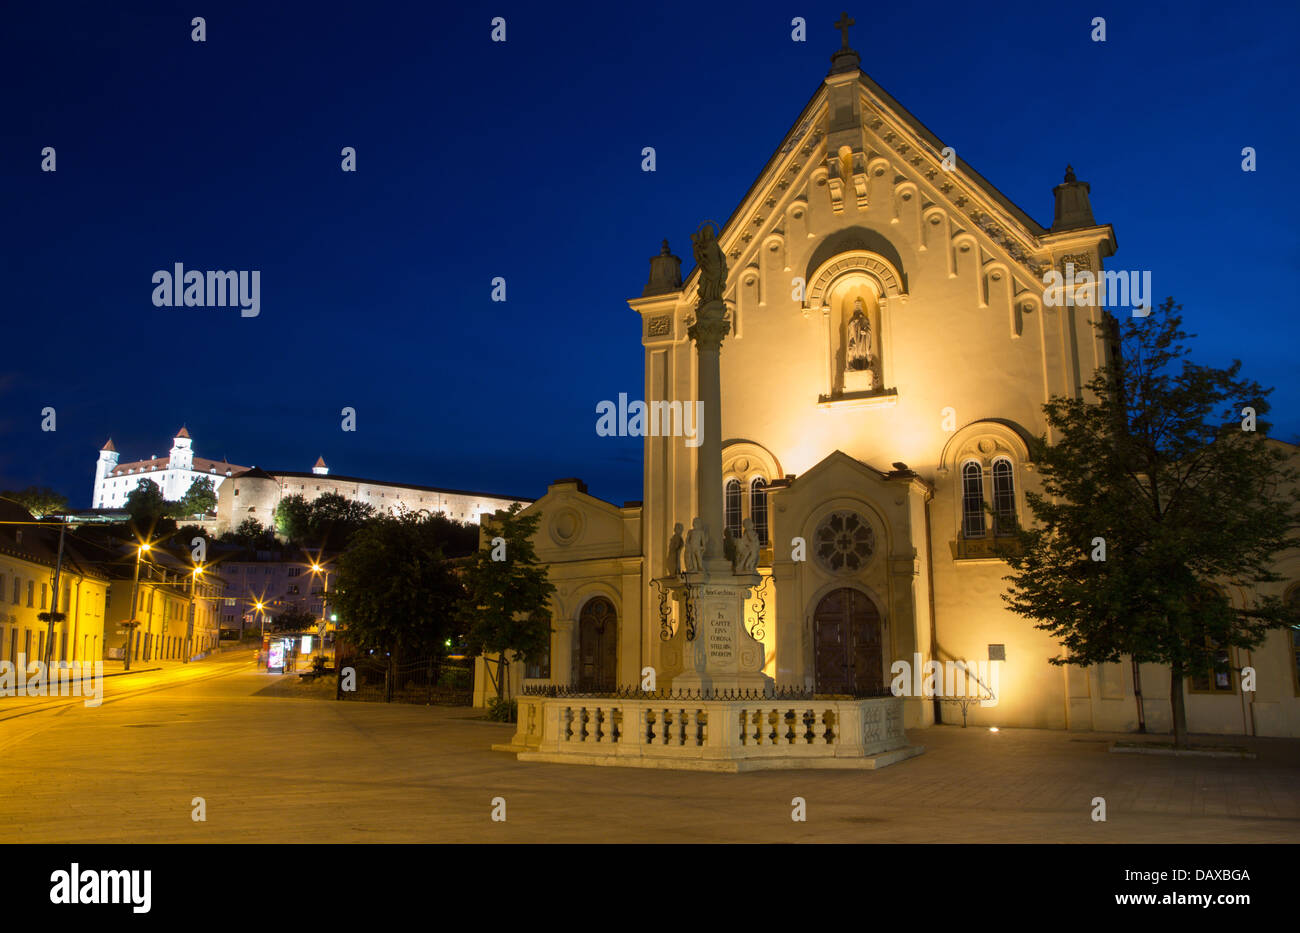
[598, 646]
[847, 651]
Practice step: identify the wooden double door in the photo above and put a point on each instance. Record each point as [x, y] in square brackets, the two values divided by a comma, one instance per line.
[847, 644]
[598, 645]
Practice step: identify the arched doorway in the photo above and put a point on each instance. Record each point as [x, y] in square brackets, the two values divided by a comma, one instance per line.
[598, 645]
[847, 653]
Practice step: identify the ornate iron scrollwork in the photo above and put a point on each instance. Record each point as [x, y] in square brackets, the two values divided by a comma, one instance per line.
[689, 616]
[760, 611]
[665, 611]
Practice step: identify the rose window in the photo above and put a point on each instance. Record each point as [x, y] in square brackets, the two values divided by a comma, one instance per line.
[844, 542]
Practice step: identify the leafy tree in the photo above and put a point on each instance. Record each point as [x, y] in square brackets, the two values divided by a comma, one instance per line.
[505, 612]
[200, 499]
[39, 500]
[149, 511]
[251, 534]
[294, 620]
[395, 590]
[1164, 466]
[293, 517]
[328, 522]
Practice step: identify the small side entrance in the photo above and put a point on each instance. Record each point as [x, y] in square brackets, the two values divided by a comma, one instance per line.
[847, 649]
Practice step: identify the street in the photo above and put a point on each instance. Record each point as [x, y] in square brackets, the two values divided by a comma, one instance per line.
[273, 769]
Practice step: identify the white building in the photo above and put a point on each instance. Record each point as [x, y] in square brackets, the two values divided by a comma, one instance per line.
[255, 493]
[173, 474]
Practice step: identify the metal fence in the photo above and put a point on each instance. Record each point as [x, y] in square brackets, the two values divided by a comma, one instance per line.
[428, 681]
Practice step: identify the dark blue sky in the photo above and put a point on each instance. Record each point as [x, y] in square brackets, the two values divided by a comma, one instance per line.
[522, 160]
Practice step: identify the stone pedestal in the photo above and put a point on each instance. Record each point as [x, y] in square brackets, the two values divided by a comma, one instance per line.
[722, 656]
[860, 380]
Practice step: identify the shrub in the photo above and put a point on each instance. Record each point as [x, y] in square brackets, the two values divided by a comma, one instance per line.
[499, 710]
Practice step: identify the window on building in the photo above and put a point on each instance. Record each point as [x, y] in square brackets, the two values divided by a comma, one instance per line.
[972, 500]
[17, 585]
[1004, 498]
[732, 508]
[31, 593]
[1217, 678]
[758, 507]
[295, 571]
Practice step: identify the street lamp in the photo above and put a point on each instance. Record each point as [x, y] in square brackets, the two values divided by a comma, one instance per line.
[317, 570]
[189, 629]
[135, 601]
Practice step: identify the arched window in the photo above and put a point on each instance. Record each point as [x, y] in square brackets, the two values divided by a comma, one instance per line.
[733, 508]
[758, 507]
[1004, 498]
[972, 500]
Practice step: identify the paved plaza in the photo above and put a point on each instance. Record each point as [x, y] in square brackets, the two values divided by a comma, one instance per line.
[275, 769]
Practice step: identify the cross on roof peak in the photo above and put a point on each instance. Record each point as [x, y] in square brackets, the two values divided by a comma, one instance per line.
[843, 26]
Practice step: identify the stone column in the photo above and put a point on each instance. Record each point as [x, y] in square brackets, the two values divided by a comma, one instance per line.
[707, 332]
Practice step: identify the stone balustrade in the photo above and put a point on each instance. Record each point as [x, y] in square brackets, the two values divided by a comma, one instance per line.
[723, 735]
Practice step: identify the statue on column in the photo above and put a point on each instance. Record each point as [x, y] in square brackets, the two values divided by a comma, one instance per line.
[858, 355]
[696, 539]
[675, 552]
[747, 548]
[712, 264]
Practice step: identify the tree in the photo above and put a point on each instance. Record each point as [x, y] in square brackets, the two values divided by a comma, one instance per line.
[39, 500]
[199, 499]
[328, 522]
[251, 534]
[396, 592]
[145, 502]
[294, 620]
[505, 612]
[1166, 468]
[293, 517]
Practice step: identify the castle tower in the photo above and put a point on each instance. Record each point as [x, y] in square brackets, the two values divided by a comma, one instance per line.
[106, 464]
[181, 456]
[319, 467]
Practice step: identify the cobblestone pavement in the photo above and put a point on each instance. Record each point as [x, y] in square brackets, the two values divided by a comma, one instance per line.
[277, 769]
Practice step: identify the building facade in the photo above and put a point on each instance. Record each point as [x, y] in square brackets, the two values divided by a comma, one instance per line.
[256, 493]
[28, 555]
[889, 353]
[172, 474]
[177, 611]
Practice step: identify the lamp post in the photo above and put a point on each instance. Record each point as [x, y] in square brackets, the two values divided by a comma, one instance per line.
[259, 606]
[189, 629]
[135, 601]
[317, 570]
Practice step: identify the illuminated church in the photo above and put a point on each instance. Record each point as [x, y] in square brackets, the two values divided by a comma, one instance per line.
[888, 358]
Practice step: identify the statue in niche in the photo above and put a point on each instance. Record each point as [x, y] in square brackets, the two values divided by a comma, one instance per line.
[712, 264]
[858, 353]
[746, 548]
[675, 552]
[696, 539]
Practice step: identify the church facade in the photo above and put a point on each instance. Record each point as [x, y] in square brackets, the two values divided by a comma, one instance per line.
[889, 354]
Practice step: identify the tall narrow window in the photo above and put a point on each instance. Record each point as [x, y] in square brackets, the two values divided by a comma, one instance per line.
[758, 507]
[733, 508]
[972, 500]
[1004, 498]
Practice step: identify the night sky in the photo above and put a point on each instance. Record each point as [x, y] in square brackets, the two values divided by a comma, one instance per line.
[523, 159]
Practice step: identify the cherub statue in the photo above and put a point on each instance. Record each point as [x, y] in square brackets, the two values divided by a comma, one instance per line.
[696, 539]
[746, 548]
[675, 552]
